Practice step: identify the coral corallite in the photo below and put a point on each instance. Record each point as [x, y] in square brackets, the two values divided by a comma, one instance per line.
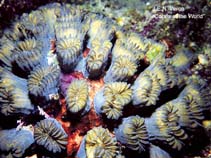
[100, 143]
[43, 81]
[132, 132]
[28, 54]
[50, 134]
[112, 99]
[77, 96]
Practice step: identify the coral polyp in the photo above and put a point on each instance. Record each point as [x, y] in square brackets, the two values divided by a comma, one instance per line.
[190, 107]
[43, 82]
[132, 133]
[94, 63]
[77, 96]
[167, 119]
[13, 95]
[28, 54]
[99, 143]
[68, 52]
[13, 142]
[97, 58]
[148, 90]
[112, 99]
[90, 88]
[135, 42]
[5, 53]
[16, 32]
[49, 134]
[35, 22]
[99, 25]
[122, 69]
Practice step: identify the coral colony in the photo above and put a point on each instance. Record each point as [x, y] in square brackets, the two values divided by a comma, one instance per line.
[75, 84]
